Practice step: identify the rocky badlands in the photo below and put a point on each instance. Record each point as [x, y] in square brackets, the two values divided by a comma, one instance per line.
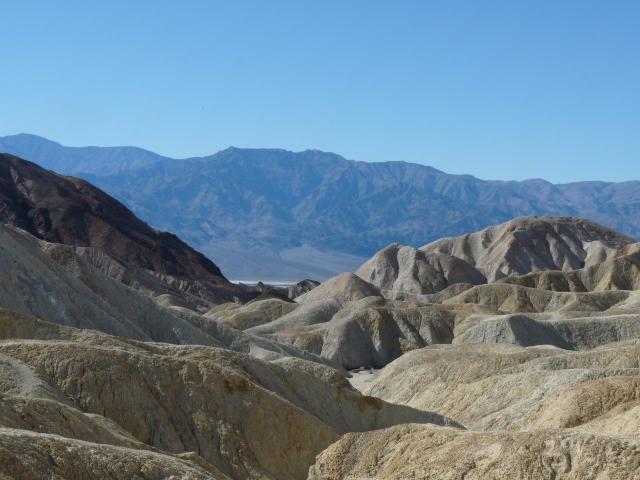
[508, 353]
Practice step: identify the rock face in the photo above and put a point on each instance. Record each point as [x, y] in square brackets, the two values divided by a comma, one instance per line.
[55, 283]
[307, 314]
[541, 368]
[545, 251]
[506, 387]
[42, 457]
[346, 321]
[243, 418]
[75, 293]
[421, 452]
[531, 244]
[569, 333]
[401, 271]
[537, 412]
[71, 211]
[371, 332]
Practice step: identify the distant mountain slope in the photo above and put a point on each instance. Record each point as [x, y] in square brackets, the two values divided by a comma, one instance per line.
[73, 160]
[280, 215]
[272, 202]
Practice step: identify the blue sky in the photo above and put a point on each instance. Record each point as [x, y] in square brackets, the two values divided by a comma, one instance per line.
[497, 89]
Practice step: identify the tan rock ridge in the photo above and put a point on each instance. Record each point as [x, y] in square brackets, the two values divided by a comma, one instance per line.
[345, 287]
[67, 289]
[530, 244]
[370, 332]
[507, 387]
[245, 417]
[424, 452]
[37, 456]
[401, 271]
[510, 298]
[619, 271]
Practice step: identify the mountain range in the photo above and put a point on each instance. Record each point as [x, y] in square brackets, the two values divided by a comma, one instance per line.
[273, 214]
[510, 352]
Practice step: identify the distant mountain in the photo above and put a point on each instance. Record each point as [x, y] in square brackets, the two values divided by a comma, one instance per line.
[279, 215]
[74, 160]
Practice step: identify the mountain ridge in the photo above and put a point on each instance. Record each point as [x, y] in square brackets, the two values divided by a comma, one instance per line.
[264, 389]
[260, 211]
[74, 160]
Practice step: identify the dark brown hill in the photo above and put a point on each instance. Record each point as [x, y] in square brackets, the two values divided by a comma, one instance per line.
[71, 211]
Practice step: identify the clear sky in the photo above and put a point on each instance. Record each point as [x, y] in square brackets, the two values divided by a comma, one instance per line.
[498, 89]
